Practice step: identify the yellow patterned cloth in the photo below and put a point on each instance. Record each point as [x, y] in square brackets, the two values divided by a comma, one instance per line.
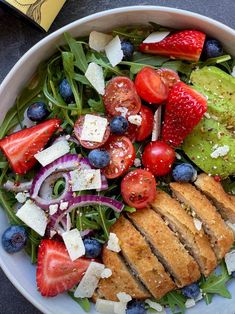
[42, 12]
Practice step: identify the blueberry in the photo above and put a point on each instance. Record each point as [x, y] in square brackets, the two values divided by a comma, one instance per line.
[127, 49]
[66, 91]
[184, 173]
[212, 49]
[233, 274]
[37, 111]
[191, 291]
[14, 239]
[93, 247]
[99, 158]
[119, 125]
[135, 307]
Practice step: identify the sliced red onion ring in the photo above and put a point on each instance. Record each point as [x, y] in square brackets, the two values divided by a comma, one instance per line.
[21, 187]
[86, 232]
[86, 200]
[44, 199]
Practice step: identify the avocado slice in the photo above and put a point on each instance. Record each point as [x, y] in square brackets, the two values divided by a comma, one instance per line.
[219, 88]
[217, 130]
[208, 135]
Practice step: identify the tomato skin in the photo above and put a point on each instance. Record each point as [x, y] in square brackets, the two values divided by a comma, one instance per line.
[120, 92]
[150, 87]
[138, 188]
[122, 156]
[89, 145]
[158, 157]
[146, 126]
[169, 76]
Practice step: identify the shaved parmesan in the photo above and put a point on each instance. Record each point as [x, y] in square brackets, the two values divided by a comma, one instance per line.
[33, 216]
[74, 244]
[95, 76]
[190, 303]
[154, 305]
[50, 154]
[114, 51]
[155, 37]
[197, 224]
[230, 261]
[94, 128]
[105, 306]
[98, 41]
[106, 273]
[120, 308]
[87, 179]
[113, 243]
[135, 119]
[53, 209]
[157, 124]
[124, 297]
[90, 280]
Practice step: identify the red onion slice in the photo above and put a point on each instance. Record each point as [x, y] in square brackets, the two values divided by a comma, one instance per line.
[21, 187]
[44, 199]
[86, 200]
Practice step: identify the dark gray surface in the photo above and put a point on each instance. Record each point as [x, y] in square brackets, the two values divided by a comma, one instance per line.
[16, 37]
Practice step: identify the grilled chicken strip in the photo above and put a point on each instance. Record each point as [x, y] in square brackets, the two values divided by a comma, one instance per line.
[195, 240]
[166, 246]
[141, 259]
[220, 234]
[121, 280]
[216, 193]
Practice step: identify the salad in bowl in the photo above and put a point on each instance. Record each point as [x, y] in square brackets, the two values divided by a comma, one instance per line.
[117, 170]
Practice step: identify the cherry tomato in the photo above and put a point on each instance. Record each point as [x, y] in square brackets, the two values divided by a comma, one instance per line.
[120, 95]
[132, 132]
[122, 155]
[138, 188]
[146, 126]
[169, 76]
[158, 157]
[87, 144]
[150, 87]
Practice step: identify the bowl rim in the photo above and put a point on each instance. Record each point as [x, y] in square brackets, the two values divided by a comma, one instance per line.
[60, 31]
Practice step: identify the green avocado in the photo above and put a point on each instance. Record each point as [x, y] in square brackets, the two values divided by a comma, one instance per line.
[219, 88]
[216, 130]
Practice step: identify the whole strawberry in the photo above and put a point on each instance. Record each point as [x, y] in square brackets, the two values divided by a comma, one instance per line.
[184, 110]
[185, 45]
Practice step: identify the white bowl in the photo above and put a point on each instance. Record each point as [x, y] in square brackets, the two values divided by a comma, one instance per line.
[18, 267]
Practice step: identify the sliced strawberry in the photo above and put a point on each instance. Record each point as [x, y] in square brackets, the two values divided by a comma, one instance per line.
[184, 109]
[56, 273]
[186, 45]
[20, 147]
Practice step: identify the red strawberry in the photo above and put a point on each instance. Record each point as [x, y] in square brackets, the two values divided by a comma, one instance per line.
[184, 110]
[20, 147]
[56, 273]
[186, 45]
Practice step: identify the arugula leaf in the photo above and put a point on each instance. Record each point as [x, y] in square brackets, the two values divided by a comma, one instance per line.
[229, 185]
[148, 59]
[78, 52]
[83, 302]
[216, 284]
[129, 209]
[160, 28]
[175, 300]
[68, 63]
[134, 34]
[212, 61]
[97, 105]
[101, 60]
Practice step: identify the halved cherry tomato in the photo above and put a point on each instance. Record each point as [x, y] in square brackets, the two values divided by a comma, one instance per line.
[169, 76]
[122, 155]
[146, 126]
[150, 87]
[121, 95]
[138, 188]
[132, 132]
[87, 144]
[158, 157]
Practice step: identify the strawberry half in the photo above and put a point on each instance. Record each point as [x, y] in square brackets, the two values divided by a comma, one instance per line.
[186, 45]
[56, 273]
[20, 147]
[184, 110]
